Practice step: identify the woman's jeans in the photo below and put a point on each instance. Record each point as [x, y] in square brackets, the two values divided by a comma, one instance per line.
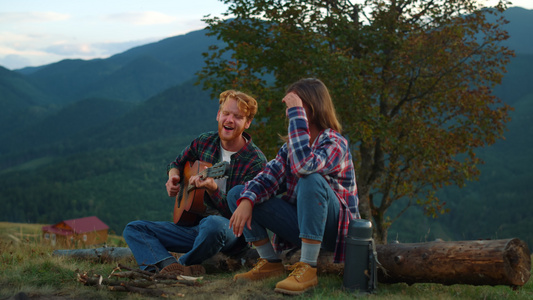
[315, 215]
[150, 242]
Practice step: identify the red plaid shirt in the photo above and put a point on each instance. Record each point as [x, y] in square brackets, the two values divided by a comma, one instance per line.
[244, 165]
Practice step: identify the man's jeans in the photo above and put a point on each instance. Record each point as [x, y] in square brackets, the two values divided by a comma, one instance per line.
[315, 215]
[150, 242]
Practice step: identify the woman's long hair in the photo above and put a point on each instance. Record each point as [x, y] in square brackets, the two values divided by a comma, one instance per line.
[315, 94]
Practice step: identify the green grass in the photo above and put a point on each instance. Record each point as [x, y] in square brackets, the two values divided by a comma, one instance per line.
[28, 266]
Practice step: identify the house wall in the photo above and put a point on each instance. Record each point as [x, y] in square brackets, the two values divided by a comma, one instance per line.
[76, 240]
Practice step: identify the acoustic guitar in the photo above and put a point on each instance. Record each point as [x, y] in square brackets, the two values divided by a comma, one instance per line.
[189, 204]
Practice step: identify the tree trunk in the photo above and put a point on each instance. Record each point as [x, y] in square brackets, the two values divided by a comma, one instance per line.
[380, 230]
[484, 262]
[364, 204]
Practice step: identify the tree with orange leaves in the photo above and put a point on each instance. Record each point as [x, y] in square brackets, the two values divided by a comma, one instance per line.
[412, 82]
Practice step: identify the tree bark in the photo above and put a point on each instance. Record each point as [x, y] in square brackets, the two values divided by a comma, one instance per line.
[482, 262]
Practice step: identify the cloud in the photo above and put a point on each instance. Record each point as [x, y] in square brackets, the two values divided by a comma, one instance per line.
[141, 18]
[114, 48]
[88, 50]
[37, 17]
[64, 49]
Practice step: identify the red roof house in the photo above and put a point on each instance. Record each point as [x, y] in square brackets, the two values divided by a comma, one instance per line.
[76, 233]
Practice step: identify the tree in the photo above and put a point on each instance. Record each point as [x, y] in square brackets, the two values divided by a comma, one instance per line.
[411, 80]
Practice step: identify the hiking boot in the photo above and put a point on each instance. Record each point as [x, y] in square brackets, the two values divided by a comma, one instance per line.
[179, 269]
[302, 278]
[261, 270]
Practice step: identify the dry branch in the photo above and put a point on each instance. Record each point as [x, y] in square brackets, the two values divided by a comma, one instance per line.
[138, 281]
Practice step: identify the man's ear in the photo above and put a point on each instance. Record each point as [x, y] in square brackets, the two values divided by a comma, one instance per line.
[248, 123]
[218, 114]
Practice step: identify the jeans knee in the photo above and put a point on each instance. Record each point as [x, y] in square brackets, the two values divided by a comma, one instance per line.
[233, 195]
[313, 179]
[213, 227]
[129, 230]
[132, 229]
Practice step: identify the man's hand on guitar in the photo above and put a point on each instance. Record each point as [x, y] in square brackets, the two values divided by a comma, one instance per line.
[173, 186]
[208, 183]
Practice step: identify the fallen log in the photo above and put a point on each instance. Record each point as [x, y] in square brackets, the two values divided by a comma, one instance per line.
[102, 254]
[482, 262]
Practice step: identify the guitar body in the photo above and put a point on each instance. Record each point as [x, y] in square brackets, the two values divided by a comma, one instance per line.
[189, 206]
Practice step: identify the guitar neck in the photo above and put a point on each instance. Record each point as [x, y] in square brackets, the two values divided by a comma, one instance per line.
[203, 173]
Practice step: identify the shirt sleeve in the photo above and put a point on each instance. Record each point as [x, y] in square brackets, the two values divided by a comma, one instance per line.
[324, 158]
[268, 182]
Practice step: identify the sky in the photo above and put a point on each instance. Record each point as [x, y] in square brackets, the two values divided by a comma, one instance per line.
[39, 32]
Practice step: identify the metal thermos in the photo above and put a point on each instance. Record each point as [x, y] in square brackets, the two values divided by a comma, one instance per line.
[360, 262]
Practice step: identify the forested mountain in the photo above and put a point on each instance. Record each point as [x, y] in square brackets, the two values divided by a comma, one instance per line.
[134, 75]
[94, 137]
[20, 101]
[33, 95]
[115, 170]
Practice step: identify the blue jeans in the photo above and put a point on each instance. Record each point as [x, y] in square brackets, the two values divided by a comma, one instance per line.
[315, 215]
[150, 242]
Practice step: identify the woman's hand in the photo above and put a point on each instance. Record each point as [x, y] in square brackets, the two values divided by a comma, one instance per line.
[292, 100]
[241, 216]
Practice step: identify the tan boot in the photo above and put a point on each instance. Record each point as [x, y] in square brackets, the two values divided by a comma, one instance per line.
[262, 269]
[179, 269]
[302, 278]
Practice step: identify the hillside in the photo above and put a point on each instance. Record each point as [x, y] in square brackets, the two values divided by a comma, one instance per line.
[116, 170]
[20, 102]
[68, 123]
[106, 124]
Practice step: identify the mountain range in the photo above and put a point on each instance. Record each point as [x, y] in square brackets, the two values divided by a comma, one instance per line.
[93, 138]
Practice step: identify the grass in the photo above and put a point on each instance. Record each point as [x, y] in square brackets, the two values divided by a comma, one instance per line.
[28, 266]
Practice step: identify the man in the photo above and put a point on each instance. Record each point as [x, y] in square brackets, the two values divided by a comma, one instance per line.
[151, 242]
[315, 169]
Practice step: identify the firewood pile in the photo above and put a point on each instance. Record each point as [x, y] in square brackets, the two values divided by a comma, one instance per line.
[125, 279]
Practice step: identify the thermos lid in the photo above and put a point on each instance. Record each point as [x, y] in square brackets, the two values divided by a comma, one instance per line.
[360, 229]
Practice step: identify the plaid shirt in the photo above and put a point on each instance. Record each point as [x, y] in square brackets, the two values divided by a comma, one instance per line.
[329, 156]
[244, 165]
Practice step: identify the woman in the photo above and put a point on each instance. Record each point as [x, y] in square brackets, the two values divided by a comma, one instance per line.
[315, 173]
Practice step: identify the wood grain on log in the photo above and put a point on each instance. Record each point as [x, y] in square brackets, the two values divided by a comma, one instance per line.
[482, 262]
